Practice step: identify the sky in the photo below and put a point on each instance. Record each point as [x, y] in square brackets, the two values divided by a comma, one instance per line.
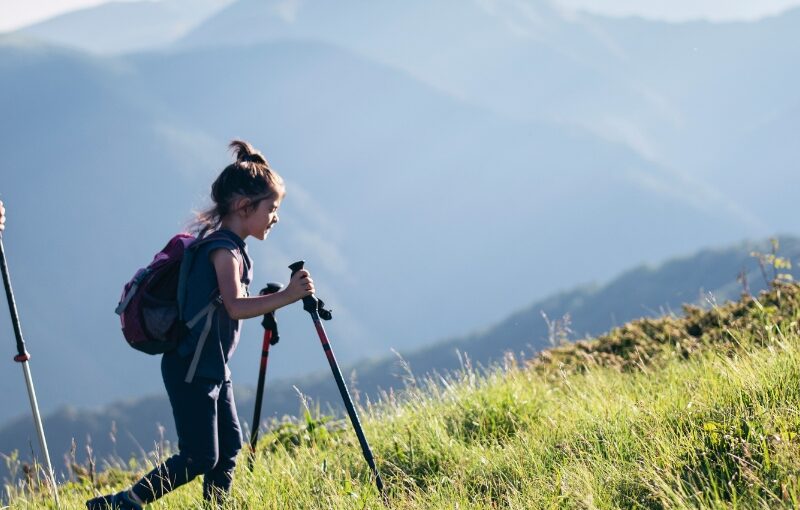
[682, 10]
[18, 13]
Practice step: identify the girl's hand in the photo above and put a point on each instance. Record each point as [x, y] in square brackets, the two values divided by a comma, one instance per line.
[300, 286]
[2, 216]
[239, 306]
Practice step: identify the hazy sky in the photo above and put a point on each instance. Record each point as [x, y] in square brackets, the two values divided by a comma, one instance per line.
[16, 13]
[717, 10]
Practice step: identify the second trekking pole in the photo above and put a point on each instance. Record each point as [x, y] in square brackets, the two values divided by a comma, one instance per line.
[270, 338]
[314, 307]
[22, 357]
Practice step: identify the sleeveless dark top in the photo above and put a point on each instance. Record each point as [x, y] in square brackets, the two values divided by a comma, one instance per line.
[201, 288]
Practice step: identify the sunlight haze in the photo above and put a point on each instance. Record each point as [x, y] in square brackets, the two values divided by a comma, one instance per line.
[18, 13]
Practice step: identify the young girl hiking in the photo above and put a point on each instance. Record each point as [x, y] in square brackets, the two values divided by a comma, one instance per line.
[246, 198]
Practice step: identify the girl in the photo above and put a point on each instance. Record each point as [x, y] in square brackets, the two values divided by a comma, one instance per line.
[246, 198]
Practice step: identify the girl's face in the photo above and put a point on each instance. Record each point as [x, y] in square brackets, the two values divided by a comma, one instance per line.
[263, 217]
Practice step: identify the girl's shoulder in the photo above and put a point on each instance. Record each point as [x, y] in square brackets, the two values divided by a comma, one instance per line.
[219, 239]
[223, 239]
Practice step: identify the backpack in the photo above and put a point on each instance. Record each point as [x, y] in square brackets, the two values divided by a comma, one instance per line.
[151, 306]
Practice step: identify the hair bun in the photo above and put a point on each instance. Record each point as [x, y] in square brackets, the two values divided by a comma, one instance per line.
[255, 158]
[245, 153]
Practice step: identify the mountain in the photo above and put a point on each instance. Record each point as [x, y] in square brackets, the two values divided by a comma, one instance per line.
[121, 27]
[387, 158]
[706, 277]
[395, 189]
[76, 142]
[721, 81]
[525, 60]
[674, 92]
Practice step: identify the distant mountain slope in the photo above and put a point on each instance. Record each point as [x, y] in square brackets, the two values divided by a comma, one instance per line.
[411, 182]
[670, 91]
[394, 188]
[121, 27]
[699, 71]
[674, 92]
[94, 185]
[526, 60]
[645, 291]
[772, 148]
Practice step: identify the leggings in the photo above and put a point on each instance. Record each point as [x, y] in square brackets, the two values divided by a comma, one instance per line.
[209, 435]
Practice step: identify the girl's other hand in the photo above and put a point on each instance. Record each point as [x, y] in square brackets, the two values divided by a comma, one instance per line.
[300, 286]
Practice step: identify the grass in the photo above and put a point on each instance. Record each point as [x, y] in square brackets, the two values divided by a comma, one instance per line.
[693, 412]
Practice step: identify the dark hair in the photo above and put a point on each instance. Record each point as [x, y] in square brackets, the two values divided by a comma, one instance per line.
[248, 177]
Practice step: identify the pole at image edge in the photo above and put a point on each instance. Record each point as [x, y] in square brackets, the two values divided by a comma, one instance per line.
[23, 357]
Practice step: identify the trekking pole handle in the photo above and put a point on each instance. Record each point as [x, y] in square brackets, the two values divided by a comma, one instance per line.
[271, 288]
[268, 322]
[309, 302]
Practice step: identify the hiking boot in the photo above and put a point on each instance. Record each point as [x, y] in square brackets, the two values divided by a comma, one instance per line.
[118, 501]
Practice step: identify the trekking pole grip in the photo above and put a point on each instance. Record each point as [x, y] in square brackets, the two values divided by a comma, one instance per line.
[268, 322]
[309, 302]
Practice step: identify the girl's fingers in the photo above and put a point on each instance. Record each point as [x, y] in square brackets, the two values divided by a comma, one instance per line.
[300, 274]
[304, 282]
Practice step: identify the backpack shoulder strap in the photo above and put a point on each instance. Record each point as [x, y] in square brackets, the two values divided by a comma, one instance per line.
[210, 309]
[188, 261]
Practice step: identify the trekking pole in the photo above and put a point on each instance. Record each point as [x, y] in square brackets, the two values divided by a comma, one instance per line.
[315, 307]
[270, 338]
[23, 357]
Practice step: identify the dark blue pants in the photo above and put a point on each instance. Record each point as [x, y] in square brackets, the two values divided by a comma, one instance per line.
[209, 436]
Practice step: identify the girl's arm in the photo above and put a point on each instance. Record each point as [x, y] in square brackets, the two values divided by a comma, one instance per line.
[241, 307]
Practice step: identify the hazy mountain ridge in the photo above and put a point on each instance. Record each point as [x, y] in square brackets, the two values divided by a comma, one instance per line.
[378, 165]
[121, 27]
[670, 91]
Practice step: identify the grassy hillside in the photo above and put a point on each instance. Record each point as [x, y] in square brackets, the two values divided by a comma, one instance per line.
[644, 291]
[689, 412]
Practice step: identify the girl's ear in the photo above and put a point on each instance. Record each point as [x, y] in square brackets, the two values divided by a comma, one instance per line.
[241, 206]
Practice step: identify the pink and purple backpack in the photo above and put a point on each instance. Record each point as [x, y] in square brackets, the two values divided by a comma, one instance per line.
[151, 306]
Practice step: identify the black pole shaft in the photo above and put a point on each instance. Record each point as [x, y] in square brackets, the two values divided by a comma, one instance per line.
[348, 402]
[310, 305]
[270, 337]
[262, 374]
[22, 353]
